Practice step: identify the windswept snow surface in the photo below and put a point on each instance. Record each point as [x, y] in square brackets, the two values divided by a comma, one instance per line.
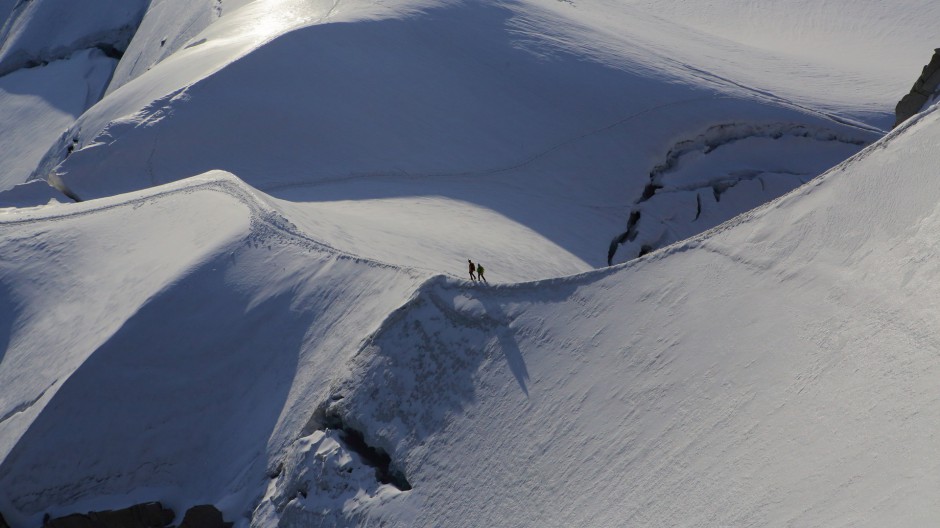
[776, 371]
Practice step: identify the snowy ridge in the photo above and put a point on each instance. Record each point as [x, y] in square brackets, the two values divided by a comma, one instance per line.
[267, 352]
[519, 118]
[496, 400]
[287, 335]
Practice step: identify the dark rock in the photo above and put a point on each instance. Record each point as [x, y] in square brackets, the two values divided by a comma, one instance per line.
[923, 90]
[146, 515]
[76, 520]
[3, 522]
[204, 516]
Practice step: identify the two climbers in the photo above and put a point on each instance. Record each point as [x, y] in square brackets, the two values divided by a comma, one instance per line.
[478, 269]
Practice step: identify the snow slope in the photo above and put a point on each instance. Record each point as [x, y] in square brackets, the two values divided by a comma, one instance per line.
[40, 104]
[439, 99]
[197, 336]
[168, 26]
[198, 317]
[586, 98]
[777, 371]
[56, 60]
[757, 374]
[41, 31]
[846, 55]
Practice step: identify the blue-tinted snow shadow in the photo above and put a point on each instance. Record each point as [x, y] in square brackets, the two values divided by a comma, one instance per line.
[510, 123]
[465, 90]
[9, 314]
[430, 361]
[183, 397]
[515, 361]
[68, 85]
[501, 128]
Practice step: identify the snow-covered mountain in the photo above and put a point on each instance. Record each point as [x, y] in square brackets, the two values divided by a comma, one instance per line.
[261, 304]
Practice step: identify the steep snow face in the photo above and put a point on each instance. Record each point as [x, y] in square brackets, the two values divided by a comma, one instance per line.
[45, 30]
[727, 170]
[777, 371]
[39, 105]
[205, 324]
[167, 27]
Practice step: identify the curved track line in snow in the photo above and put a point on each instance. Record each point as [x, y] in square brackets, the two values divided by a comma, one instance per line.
[492, 170]
[265, 220]
[770, 96]
[698, 241]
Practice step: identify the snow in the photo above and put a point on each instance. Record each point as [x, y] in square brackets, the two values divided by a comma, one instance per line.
[383, 100]
[877, 46]
[46, 30]
[41, 104]
[751, 376]
[29, 194]
[165, 29]
[281, 198]
[124, 333]
[326, 477]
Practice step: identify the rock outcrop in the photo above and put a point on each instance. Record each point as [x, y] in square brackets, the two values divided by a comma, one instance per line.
[146, 515]
[204, 516]
[924, 89]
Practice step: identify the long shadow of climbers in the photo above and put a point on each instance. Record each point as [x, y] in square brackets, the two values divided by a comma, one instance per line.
[423, 366]
[514, 359]
[9, 314]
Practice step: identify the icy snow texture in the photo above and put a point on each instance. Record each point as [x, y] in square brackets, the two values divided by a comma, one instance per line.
[167, 26]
